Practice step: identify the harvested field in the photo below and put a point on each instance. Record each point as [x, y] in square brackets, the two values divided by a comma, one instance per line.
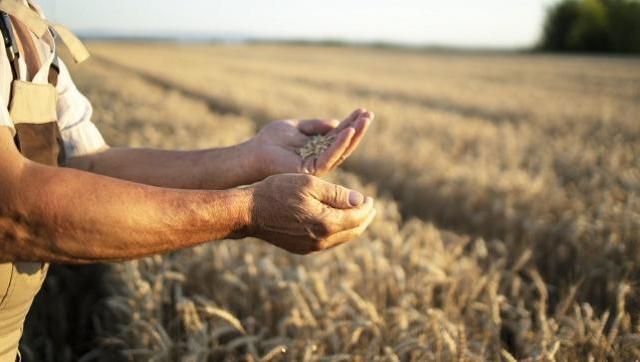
[508, 205]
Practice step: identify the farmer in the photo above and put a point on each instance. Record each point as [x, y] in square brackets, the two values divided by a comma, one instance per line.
[66, 197]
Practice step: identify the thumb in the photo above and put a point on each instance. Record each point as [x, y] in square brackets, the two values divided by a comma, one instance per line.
[339, 197]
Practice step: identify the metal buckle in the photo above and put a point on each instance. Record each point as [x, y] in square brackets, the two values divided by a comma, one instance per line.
[9, 43]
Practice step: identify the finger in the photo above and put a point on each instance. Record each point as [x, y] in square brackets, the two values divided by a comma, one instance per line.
[361, 127]
[332, 155]
[335, 196]
[331, 220]
[348, 235]
[348, 121]
[312, 127]
[341, 208]
[309, 165]
[345, 219]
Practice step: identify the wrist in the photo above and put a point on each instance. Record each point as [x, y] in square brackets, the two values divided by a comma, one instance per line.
[224, 168]
[255, 157]
[244, 212]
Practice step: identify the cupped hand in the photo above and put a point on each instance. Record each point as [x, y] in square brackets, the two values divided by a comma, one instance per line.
[277, 144]
[304, 214]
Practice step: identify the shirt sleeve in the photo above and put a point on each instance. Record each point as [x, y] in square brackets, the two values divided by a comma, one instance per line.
[78, 132]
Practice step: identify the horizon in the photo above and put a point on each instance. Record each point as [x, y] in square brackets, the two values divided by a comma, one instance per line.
[494, 24]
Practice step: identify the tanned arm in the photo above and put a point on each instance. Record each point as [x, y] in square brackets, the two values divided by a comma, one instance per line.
[63, 215]
[210, 169]
[272, 151]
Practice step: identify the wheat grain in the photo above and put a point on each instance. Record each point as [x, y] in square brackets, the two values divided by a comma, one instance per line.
[315, 146]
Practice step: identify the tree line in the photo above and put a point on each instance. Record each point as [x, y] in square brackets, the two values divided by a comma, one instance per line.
[593, 26]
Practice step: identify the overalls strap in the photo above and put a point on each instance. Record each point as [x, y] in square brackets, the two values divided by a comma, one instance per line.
[39, 26]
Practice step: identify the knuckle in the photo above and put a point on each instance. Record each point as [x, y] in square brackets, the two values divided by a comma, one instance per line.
[336, 193]
[306, 181]
[277, 182]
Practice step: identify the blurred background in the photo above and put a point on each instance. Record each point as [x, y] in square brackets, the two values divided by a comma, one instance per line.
[587, 25]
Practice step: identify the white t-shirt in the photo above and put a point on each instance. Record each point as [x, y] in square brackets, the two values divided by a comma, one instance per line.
[74, 110]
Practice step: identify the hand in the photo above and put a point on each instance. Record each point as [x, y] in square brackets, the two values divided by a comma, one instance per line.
[303, 214]
[278, 142]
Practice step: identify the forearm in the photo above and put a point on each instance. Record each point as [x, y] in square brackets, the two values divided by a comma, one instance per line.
[211, 169]
[62, 215]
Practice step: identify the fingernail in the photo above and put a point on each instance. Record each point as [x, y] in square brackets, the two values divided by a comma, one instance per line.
[355, 198]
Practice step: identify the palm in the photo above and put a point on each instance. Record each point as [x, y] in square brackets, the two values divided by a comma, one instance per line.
[279, 142]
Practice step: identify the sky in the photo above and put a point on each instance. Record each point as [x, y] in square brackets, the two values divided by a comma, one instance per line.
[469, 23]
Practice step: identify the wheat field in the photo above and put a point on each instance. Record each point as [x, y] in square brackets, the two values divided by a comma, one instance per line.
[508, 220]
